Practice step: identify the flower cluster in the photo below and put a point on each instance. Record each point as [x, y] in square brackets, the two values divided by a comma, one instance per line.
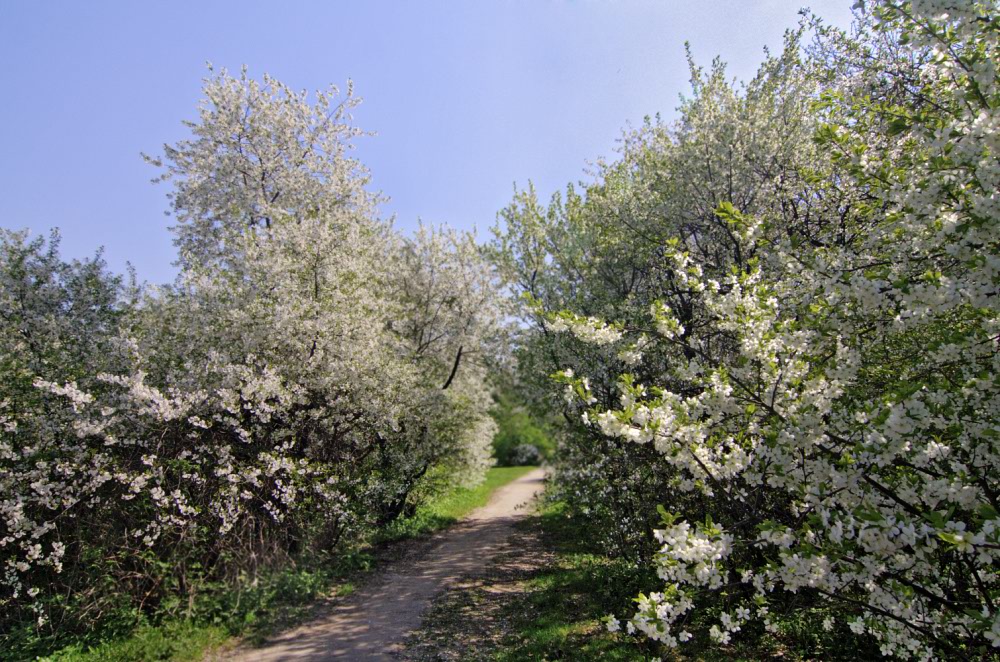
[587, 329]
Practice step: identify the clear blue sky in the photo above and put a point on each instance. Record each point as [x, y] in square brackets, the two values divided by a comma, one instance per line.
[466, 97]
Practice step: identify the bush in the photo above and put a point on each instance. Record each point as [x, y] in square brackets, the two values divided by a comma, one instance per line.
[521, 438]
[525, 455]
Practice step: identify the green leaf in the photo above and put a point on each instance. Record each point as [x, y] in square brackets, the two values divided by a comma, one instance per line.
[898, 125]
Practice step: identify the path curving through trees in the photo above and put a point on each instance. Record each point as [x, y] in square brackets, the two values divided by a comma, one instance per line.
[373, 623]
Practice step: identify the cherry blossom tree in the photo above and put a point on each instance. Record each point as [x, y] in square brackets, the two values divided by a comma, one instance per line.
[307, 371]
[816, 378]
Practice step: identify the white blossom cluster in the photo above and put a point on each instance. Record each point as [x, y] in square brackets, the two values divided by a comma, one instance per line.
[587, 329]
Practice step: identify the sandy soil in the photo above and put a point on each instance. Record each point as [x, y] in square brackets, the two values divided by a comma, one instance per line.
[373, 623]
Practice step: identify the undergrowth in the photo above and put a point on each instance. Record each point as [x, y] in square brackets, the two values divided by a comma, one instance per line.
[252, 610]
[559, 616]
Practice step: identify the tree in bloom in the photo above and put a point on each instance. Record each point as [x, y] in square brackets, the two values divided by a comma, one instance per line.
[58, 323]
[306, 372]
[597, 261]
[818, 377]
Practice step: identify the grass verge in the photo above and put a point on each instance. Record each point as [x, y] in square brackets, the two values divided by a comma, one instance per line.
[282, 598]
[558, 615]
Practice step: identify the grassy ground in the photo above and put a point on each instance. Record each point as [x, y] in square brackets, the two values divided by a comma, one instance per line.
[284, 598]
[559, 614]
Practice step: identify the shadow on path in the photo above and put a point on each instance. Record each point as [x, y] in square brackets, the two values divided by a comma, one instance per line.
[373, 623]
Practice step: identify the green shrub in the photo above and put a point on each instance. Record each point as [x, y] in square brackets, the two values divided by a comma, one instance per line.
[519, 429]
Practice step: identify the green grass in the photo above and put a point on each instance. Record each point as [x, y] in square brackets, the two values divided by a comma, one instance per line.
[559, 616]
[282, 598]
[178, 641]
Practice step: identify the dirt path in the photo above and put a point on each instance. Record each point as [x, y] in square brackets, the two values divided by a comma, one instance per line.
[473, 621]
[373, 623]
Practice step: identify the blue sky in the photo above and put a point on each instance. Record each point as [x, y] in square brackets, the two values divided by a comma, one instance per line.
[467, 98]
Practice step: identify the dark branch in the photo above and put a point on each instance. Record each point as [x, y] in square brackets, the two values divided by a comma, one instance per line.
[454, 369]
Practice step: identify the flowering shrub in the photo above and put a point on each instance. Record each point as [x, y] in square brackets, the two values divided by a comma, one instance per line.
[818, 374]
[305, 372]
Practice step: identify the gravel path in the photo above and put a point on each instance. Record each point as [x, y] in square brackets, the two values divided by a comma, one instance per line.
[373, 623]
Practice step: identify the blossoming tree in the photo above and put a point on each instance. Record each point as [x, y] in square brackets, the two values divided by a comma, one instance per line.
[817, 377]
[308, 369]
